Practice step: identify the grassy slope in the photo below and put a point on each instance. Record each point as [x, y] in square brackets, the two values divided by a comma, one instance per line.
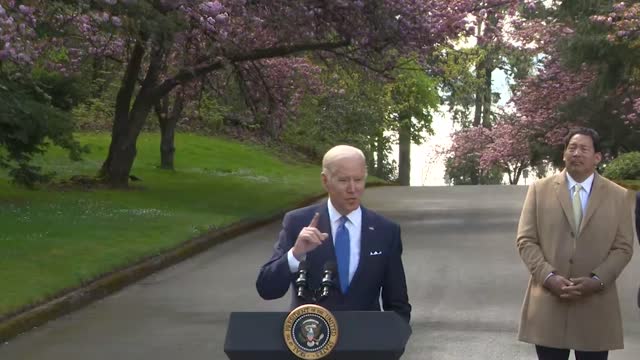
[54, 240]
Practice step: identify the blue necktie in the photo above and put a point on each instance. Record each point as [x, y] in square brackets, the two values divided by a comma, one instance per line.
[343, 247]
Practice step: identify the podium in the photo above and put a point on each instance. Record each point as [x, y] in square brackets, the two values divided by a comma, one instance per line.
[370, 335]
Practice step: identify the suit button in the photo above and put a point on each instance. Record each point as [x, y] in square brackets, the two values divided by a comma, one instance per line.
[570, 261]
[572, 234]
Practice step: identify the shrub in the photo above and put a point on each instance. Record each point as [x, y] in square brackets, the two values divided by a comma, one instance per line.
[28, 124]
[624, 167]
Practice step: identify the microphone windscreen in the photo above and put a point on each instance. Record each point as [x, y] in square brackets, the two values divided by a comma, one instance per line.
[303, 266]
[331, 266]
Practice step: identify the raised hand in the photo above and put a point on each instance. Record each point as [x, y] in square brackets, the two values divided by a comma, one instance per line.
[309, 238]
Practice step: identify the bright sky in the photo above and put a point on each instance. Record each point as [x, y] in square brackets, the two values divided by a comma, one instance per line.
[427, 168]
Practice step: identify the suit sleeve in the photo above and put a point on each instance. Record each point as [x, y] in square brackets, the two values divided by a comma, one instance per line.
[528, 242]
[394, 287]
[274, 278]
[638, 215]
[622, 246]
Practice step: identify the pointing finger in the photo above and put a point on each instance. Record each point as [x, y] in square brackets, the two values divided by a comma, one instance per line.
[314, 221]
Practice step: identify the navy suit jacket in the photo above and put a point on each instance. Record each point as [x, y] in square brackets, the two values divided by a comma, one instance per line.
[638, 229]
[638, 214]
[380, 270]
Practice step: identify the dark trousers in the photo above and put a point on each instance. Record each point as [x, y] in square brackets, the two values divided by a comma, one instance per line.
[547, 353]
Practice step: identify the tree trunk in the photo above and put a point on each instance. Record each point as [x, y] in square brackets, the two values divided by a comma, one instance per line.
[128, 123]
[274, 124]
[518, 172]
[380, 157]
[479, 97]
[114, 169]
[475, 175]
[369, 156]
[122, 151]
[168, 119]
[510, 174]
[129, 120]
[480, 109]
[477, 116]
[404, 161]
[487, 103]
[167, 144]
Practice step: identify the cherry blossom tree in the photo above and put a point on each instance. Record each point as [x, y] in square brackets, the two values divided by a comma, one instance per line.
[146, 35]
[236, 33]
[623, 24]
[537, 113]
[587, 77]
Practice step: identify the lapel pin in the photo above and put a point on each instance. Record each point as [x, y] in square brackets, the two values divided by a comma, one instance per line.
[371, 228]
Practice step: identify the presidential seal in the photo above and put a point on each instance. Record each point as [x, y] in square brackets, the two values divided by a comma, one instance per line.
[310, 332]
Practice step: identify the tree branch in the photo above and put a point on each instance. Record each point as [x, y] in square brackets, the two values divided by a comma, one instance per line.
[187, 75]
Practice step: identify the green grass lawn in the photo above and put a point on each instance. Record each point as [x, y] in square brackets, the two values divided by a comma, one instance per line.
[53, 240]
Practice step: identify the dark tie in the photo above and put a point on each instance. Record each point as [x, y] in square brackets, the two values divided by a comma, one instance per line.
[342, 253]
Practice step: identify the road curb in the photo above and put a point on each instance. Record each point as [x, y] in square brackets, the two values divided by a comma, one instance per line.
[74, 299]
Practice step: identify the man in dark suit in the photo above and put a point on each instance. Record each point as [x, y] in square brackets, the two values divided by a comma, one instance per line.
[638, 214]
[638, 230]
[365, 246]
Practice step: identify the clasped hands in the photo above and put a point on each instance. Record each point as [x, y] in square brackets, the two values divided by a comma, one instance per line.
[573, 288]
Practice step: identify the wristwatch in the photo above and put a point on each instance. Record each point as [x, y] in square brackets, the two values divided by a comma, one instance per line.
[595, 277]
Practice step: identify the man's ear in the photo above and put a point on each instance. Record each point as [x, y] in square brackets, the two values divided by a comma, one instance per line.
[325, 180]
[598, 157]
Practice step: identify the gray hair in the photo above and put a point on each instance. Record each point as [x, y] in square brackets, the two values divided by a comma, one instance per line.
[340, 152]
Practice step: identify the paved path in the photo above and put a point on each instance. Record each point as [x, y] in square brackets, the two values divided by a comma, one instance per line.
[465, 278]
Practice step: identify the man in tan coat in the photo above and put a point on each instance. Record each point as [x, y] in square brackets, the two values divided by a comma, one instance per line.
[575, 236]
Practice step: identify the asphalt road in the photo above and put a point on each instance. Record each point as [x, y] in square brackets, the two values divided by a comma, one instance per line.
[466, 286]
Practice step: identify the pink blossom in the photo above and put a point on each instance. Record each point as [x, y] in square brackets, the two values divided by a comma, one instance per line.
[116, 21]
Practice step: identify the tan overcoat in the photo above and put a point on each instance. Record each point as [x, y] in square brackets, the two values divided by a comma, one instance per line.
[547, 241]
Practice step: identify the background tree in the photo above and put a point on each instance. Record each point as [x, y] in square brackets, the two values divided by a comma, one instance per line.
[468, 71]
[35, 94]
[586, 78]
[352, 107]
[236, 32]
[413, 98]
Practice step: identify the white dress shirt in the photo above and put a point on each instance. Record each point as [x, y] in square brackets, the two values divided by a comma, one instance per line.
[354, 226]
[585, 192]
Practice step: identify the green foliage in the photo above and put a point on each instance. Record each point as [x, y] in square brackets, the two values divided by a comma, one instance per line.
[351, 112]
[388, 169]
[459, 82]
[363, 109]
[27, 123]
[212, 112]
[95, 114]
[54, 240]
[413, 97]
[465, 172]
[624, 167]
[64, 92]
[579, 10]
[618, 69]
